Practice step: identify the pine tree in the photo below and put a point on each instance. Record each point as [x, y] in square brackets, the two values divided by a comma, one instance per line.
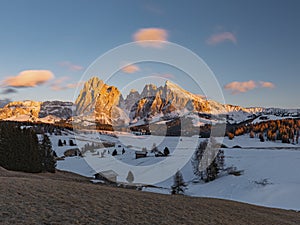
[261, 137]
[220, 160]
[197, 156]
[130, 177]
[179, 185]
[114, 153]
[48, 160]
[212, 171]
[60, 143]
[166, 151]
[71, 142]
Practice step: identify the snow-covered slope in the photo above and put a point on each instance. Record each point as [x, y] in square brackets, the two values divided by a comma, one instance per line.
[270, 175]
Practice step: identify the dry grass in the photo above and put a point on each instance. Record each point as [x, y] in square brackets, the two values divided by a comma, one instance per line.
[66, 198]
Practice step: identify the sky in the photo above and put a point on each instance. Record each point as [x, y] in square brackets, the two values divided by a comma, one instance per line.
[252, 47]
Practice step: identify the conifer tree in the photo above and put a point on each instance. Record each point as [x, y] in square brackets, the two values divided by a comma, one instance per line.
[166, 151]
[179, 185]
[48, 160]
[130, 177]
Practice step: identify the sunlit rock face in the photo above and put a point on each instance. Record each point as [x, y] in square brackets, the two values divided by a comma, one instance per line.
[35, 111]
[100, 101]
[17, 108]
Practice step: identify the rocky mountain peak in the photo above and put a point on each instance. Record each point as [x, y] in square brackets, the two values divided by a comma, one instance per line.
[100, 100]
[149, 90]
[86, 100]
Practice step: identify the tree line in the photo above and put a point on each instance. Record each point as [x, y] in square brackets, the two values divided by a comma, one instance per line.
[21, 149]
[286, 131]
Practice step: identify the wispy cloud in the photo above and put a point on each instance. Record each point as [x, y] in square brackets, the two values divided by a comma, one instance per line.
[237, 87]
[28, 78]
[71, 66]
[265, 84]
[75, 85]
[61, 84]
[130, 68]
[151, 37]
[166, 75]
[57, 84]
[221, 37]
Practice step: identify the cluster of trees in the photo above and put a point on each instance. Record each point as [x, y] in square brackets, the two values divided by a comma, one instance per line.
[286, 130]
[208, 160]
[41, 128]
[62, 143]
[22, 150]
[157, 152]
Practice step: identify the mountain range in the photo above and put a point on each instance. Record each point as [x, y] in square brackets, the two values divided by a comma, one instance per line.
[105, 104]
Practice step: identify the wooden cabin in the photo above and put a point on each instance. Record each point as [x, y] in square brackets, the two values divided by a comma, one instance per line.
[140, 154]
[108, 176]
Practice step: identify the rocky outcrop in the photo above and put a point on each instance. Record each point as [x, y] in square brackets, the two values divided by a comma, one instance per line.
[100, 101]
[106, 104]
[15, 109]
[86, 101]
[167, 100]
[36, 111]
[59, 109]
[131, 99]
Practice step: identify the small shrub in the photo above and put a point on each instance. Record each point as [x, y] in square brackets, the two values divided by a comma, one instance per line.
[114, 153]
[166, 151]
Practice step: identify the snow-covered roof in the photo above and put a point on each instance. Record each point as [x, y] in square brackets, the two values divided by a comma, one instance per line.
[108, 173]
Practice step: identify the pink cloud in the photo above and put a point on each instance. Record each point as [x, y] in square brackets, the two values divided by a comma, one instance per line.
[151, 37]
[28, 78]
[241, 87]
[266, 84]
[71, 66]
[130, 68]
[59, 84]
[221, 37]
[75, 85]
[167, 76]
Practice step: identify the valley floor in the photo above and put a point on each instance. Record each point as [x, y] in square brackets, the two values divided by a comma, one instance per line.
[66, 198]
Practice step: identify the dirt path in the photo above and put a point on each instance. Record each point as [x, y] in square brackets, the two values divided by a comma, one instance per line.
[66, 198]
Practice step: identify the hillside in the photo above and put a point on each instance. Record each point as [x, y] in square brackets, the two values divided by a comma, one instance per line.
[70, 199]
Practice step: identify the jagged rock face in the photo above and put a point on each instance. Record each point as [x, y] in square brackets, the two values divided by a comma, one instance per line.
[149, 91]
[166, 100]
[86, 101]
[14, 109]
[108, 99]
[59, 109]
[34, 111]
[99, 100]
[131, 99]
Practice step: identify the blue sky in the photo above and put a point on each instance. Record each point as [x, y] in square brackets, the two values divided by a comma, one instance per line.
[251, 46]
